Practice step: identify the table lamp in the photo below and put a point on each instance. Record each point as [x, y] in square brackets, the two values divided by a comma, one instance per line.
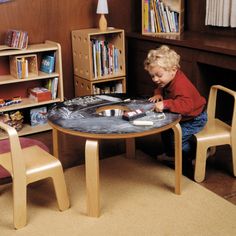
[102, 9]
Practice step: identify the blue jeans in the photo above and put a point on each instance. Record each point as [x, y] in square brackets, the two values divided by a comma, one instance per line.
[189, 128]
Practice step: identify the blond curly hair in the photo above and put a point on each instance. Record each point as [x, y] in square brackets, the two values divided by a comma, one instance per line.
[164, 57]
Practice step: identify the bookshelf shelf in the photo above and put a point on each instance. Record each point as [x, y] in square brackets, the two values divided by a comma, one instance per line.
[162, 17]
[12, 85]
[99, 61]
[28, 129]
[8, 79]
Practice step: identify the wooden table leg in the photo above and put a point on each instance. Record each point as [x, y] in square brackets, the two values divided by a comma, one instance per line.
[130, 147]
[55, 143]
[92, 177]
[178, 157]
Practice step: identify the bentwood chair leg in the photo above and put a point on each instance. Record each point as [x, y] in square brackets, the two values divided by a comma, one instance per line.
[92, 177]
[60, 189]
[178, 157]
[233, 148]
[19, 205]
[200, 164]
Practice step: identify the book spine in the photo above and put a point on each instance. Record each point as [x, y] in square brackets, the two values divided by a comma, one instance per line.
[19, 68]
[94, 60]
[167, 28]
[146, 16]
[156, 17]
[25, 69]
[54, 87]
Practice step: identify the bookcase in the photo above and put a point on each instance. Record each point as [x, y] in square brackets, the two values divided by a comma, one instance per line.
[99, 61]
[162, 17]
[11, 85]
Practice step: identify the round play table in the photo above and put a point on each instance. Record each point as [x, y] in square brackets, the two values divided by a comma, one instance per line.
[100, 117]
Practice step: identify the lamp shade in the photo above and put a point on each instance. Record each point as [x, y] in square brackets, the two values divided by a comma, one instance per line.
[102, 7]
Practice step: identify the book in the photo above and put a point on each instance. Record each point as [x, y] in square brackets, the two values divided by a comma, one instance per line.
[48, 63]
[25, 69]
[54, 87]
[48, 84]
[38, 116]
[156, 17]
[146, 16]
[94, 59]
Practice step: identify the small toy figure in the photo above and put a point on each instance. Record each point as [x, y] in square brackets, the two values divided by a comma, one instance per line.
[17, 99]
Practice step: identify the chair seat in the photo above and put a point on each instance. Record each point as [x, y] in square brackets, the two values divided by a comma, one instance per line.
[33, 165]
[216, 132]
[25, 142]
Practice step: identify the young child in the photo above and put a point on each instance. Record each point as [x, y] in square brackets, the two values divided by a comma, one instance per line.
[175, 93]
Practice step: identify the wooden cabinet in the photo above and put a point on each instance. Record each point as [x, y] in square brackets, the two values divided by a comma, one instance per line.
[162, 17]
[12, 86]
[99, 61]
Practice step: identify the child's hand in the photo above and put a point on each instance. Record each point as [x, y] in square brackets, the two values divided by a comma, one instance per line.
[159, 106]
[155, 98]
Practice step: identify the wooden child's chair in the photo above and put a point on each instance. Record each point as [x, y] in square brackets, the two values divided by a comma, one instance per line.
[27, 165]
[215, 133]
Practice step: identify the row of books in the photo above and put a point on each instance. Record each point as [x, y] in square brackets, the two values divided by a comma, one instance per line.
[22, 67]
[106, 89]
[221, 13]
[159, 17]
[16, 39]
[104, 57]
[52, 85]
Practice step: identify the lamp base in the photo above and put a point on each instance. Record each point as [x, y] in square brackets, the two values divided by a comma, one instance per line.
[102, 23]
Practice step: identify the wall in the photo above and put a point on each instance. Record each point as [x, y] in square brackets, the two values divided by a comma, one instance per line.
[55, 19]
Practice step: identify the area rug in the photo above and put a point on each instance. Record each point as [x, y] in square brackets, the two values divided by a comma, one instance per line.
[137, 198]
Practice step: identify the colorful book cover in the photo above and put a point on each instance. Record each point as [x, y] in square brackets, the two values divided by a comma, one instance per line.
[47, 63]
[38, 116]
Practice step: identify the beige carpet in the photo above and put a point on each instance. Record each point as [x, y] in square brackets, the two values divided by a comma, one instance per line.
[137, 198]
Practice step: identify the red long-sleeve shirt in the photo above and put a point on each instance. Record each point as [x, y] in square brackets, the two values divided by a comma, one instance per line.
[181, 96]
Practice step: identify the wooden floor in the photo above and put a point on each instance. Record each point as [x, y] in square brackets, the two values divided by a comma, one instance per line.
[219, 177]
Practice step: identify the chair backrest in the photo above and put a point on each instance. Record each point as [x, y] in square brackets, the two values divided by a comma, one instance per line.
[211, 106]
[17, 161]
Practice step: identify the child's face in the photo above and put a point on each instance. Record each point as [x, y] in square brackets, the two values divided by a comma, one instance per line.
[161, 76]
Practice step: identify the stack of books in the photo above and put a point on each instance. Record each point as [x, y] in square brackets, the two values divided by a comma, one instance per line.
[14, 119]
[16, 39]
